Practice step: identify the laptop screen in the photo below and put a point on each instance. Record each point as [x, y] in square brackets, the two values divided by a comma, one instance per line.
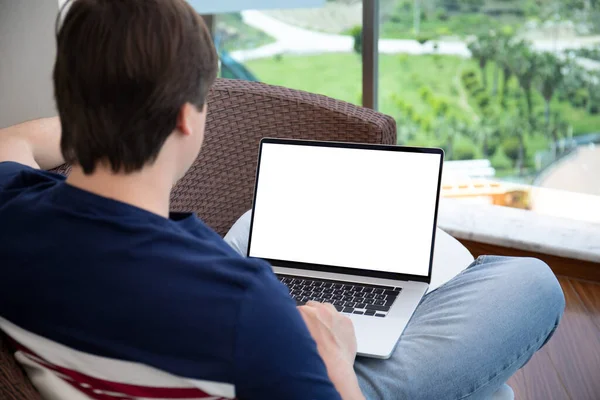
[356, 208]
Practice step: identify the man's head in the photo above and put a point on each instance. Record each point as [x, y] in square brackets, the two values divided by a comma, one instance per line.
[131, 76]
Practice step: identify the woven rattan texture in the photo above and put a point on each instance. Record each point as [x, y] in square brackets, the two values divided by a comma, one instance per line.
[14, 384]
[220, 184]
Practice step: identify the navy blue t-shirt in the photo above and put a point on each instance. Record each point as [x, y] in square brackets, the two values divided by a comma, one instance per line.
[110, 281]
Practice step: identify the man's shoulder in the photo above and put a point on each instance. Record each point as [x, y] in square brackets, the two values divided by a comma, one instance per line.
[14, 175]
[172, 302]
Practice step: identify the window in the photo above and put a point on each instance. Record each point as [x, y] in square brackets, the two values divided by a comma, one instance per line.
[510, 89]
[505, 89]
[309, 49]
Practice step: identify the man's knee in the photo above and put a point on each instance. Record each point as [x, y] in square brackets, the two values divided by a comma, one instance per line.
[540, 281]
[531, 280]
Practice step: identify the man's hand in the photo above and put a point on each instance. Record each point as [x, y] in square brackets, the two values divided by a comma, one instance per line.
[336, 343]
[34, 143]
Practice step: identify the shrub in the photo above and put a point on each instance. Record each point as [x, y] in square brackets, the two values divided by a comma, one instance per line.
[356, 33]
[464, 151]
[507, 30]
[440, 107]
[483, 101]
[580, 98]
[511, 148]
[423, 39]
[442, 15]
[470, 80]
[493, 144]
[409, 110]
[425, 93]
[426, 123]
[500, 160]
[443, 31]
[468, 74]
[471, 85]
[397, 19]
[477, 91]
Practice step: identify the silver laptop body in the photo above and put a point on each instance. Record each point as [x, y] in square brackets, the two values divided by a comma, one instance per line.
[350, 224]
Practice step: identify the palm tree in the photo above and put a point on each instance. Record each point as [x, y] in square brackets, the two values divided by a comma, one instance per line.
[515, 128]
[486, 131]
[494, 41]
[417, 17]
[503, 61]
[556, 129]
[550, 74]
[482, 50]
[524, 63]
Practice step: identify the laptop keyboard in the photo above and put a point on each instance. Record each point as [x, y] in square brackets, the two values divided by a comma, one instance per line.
[347, 297]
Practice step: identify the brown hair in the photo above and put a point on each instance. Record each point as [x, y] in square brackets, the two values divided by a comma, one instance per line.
[124, 69]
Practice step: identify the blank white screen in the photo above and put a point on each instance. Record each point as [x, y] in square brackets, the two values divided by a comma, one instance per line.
[351, 208]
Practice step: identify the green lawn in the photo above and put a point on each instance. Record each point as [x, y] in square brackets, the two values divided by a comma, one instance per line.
[402, 25]
[340, 76]
[334, 75]
[403, 79]
[401, 76]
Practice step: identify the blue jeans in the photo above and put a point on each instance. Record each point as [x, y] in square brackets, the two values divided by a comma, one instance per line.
[467, 337]
[470, 335]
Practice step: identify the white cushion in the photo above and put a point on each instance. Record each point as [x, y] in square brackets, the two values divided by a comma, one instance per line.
[449, 259]
[450, 256]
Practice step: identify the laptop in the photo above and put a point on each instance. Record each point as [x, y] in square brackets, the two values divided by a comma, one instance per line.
[352, 225]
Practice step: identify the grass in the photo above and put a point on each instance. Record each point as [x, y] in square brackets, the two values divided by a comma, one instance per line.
[403, 77]
[581, 121]
[340, 76]
[401, 26]
[334, 75]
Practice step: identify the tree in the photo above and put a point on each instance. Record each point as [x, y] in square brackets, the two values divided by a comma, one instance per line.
[514, 129]
[524, 64]
[417, 17]
[471, 5]
[592, 83]
[502, 57]
[488, 133]
[482, 49]
[550, 74]
[558, 127]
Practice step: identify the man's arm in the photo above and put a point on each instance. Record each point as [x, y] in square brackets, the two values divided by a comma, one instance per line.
[275, 355]
[336, 343]
[34, 143]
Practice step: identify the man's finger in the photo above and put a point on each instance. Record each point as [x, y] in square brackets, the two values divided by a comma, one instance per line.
[330, 307]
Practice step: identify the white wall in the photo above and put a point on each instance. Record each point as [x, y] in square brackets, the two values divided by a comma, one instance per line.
[27, 51]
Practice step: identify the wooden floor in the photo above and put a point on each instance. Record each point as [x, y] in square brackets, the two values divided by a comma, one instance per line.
[568, 367]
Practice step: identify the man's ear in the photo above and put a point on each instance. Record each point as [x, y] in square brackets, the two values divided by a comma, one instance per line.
[185, 119]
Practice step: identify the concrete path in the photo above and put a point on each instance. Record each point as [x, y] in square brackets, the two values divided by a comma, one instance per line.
[294, 40]
[577, 172]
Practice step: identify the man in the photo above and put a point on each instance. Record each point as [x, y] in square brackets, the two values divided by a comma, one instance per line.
[106, 295]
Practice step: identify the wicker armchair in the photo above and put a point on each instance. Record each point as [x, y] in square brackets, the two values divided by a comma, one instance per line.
[220, 184]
